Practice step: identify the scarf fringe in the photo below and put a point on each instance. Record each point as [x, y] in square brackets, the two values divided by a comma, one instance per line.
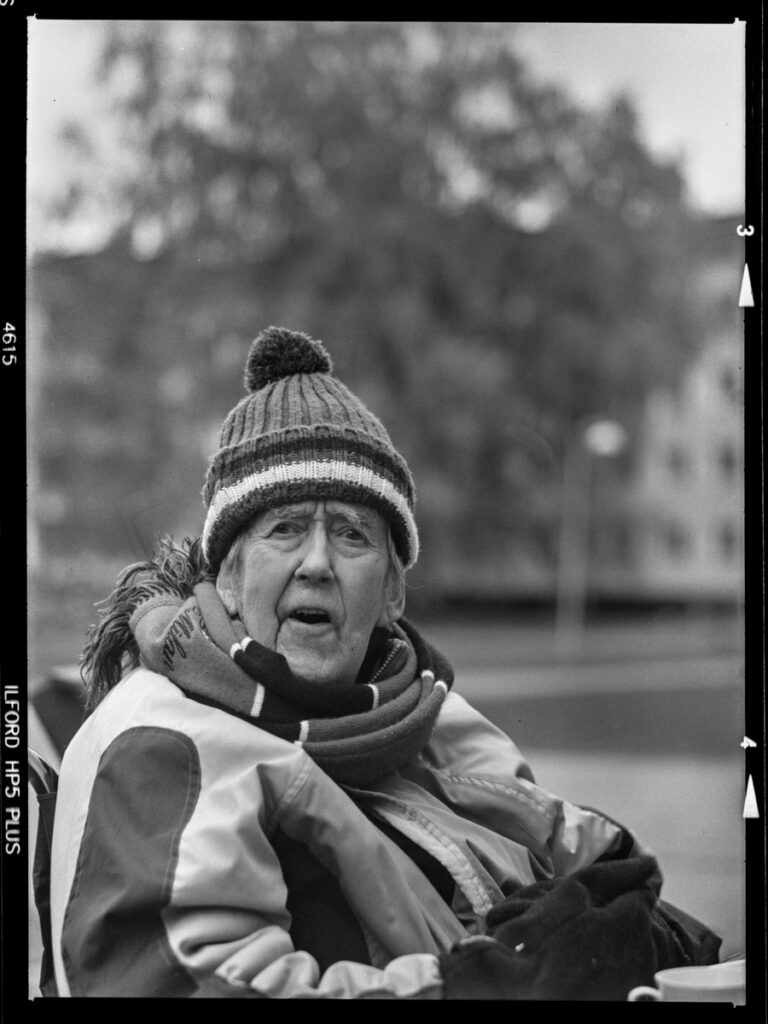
[111, 649]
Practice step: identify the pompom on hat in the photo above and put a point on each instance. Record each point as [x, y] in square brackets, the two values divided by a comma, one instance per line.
[300, 434]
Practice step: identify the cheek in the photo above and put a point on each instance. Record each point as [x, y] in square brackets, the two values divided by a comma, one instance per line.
[257, 595]
[368, 603]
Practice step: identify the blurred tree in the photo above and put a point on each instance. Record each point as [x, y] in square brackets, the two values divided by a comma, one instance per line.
[488, 261]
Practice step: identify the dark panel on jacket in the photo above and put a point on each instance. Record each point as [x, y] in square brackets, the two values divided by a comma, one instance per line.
[323, 923]
[114, 941]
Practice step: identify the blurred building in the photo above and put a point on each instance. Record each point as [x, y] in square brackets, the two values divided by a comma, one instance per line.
[677, 531]
[689, 484]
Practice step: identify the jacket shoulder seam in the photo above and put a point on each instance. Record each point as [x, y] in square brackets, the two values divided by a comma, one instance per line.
[500, 787]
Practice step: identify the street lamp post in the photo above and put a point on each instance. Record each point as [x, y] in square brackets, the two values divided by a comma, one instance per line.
[588, 439]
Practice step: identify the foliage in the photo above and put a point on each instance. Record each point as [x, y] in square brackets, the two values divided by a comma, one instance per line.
[487, 261]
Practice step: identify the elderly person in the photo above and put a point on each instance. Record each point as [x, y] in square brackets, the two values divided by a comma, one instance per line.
[278, 792]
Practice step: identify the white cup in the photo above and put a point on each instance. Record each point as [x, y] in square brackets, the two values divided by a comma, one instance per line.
[715, 983]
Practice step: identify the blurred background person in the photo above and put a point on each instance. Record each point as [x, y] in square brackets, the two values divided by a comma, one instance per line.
[538, 303]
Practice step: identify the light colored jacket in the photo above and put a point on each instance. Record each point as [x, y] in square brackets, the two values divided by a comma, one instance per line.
[164, 873]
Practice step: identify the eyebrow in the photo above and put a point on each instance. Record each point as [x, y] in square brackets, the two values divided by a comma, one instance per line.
[302, 508]
[298, 511]
[359, 517]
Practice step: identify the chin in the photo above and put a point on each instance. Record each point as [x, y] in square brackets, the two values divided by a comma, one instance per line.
[316, 679]
[304, 670]
[316, 675]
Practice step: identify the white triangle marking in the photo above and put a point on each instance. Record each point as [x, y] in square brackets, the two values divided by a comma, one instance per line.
[750, 801]
[745, 297]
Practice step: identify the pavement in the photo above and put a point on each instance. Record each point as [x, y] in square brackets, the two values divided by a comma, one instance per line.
[493, 642]
[607, 677]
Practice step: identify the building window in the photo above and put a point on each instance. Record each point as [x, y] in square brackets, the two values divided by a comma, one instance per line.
[728, 462]
[613, 543]
[677, 540]
[677, 461]
[727, 542]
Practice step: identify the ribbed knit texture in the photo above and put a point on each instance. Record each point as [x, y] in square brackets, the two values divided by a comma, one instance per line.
[298, 437]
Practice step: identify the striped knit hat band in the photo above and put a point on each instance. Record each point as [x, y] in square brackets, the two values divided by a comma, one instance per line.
[302, 435]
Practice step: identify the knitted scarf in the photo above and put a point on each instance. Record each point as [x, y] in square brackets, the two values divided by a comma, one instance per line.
[355, 733]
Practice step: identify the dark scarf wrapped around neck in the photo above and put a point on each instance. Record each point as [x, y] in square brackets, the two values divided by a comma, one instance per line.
[355, 733]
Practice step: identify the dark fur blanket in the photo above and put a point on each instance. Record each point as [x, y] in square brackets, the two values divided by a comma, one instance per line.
[592, 935]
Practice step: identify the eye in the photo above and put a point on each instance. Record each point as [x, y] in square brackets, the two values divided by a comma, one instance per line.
[352, 535]
[285, 528]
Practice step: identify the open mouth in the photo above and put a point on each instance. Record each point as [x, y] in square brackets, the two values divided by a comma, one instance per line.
[310, 616]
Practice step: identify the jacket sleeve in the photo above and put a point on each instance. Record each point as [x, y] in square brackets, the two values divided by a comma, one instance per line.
[177, 890]
[561, 835]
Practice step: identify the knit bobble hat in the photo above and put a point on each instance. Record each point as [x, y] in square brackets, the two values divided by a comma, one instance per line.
[298, 435]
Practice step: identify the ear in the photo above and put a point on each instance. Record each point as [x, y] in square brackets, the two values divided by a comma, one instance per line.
[224, 584]
[394, 605]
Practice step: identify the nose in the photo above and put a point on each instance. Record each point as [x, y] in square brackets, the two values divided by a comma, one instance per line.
[315, 563]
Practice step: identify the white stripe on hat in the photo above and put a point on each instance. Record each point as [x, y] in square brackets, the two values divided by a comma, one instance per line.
[316, 472]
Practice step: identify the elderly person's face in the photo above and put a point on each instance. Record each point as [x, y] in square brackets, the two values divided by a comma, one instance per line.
[311, 582]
